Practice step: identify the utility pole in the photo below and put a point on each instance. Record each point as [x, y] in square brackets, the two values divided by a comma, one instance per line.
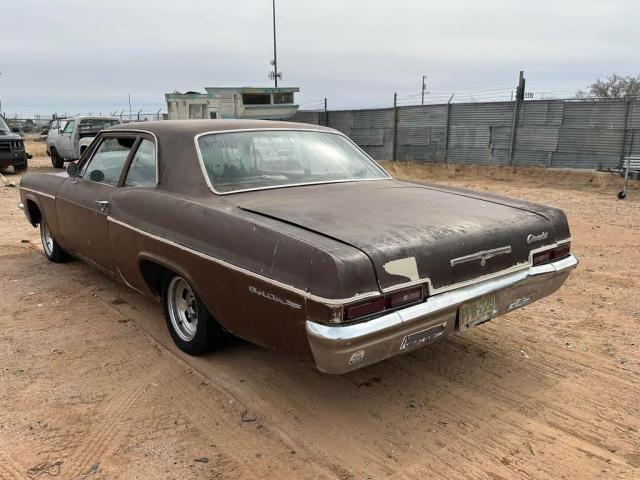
[276, 74]
[0, 101]
[130, 114]
[424, 87]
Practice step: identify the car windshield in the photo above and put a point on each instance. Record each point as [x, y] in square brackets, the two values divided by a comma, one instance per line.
[270, 158]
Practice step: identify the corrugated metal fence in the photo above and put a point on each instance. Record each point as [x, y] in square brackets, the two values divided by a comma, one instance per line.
[546, 133]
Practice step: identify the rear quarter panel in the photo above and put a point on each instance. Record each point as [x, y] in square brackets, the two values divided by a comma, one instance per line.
[254, 276]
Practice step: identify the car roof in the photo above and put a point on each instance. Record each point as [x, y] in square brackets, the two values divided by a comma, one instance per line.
[195, 127]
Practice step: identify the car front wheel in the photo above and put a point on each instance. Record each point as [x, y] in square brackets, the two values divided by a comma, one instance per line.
[52, 249]
[56, 160]
[192, 327]
[20, 168]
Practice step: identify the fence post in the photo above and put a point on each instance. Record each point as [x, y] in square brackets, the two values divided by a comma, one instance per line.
[446, 130]
[326, 113]
[512, 140]
[395, 126]
[514, 122]
[624, 130]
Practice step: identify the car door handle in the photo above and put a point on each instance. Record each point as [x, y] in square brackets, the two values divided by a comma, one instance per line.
[103, 204]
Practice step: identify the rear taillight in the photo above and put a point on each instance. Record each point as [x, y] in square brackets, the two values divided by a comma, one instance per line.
[546, 256]
[381, 304]
[541, 258]
[405, 296]
[364, 309]
[561, 251]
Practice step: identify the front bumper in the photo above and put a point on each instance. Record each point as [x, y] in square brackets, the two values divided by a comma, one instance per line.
[16, 157]
[339, 349]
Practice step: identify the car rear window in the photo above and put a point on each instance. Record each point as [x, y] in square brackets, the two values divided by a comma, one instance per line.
[261, 159]
[95, 125]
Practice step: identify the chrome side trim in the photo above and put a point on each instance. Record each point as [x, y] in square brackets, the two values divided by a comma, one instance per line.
[335, 132]
[124, 280]
[482, 255]
[38, 192]
[332, 301]
[305, 184]
[434, 304]
[302, 293]
[557, 266]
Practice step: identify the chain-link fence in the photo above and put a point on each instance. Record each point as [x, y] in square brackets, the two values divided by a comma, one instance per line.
[566, 133]
[547, 133]
[36, 123]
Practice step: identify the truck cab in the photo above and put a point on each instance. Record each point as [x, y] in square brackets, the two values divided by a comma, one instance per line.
[68, 143]
[12, 151]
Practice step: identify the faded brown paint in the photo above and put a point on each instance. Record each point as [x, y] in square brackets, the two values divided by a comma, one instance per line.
[251, 255]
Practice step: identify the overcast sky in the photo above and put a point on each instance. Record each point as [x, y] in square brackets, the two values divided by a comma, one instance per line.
[85, 55]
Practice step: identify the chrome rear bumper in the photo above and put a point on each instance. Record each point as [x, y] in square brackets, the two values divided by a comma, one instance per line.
[339, 349]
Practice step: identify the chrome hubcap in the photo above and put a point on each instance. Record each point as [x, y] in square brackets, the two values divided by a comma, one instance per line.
[47, 239]
[183, 309]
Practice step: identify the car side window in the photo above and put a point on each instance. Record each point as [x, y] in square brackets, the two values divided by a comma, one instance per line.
[142, 171]
[68, 128]
[105, 166]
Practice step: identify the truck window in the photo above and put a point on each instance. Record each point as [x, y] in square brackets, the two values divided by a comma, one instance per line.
[68, 128]
[95, 125]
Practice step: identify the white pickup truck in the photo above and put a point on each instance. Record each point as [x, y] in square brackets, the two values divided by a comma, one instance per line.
[69, 143]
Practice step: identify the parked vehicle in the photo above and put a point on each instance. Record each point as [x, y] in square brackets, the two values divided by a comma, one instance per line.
[54, 127]
[12, 151]
[68, 142]
[290, 236]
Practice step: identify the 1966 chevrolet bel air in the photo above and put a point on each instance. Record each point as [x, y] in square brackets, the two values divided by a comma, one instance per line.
[290, 236]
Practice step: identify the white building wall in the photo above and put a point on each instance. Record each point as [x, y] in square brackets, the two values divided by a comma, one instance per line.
[221, 103]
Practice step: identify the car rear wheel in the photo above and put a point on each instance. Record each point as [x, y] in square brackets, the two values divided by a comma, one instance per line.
[54, 252]
[56, 160]
[192, 327]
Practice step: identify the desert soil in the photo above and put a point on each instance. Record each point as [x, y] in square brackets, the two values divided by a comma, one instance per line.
[91, 386]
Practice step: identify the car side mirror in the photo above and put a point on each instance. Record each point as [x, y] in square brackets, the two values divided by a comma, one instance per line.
[72, 169]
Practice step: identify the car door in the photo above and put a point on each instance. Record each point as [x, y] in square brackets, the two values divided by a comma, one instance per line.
[83, 201]
[65, 141]
[128, 203]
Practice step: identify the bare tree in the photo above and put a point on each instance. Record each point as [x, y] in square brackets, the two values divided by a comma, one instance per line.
[615, 86]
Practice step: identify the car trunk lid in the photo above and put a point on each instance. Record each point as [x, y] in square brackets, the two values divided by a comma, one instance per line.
[414, 232]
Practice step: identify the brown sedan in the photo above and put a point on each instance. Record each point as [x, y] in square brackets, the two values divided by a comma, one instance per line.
[290, 236]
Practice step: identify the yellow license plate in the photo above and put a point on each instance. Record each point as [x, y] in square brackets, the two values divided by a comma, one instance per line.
[478, 311]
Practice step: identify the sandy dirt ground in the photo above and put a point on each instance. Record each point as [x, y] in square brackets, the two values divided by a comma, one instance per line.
[91, 386]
